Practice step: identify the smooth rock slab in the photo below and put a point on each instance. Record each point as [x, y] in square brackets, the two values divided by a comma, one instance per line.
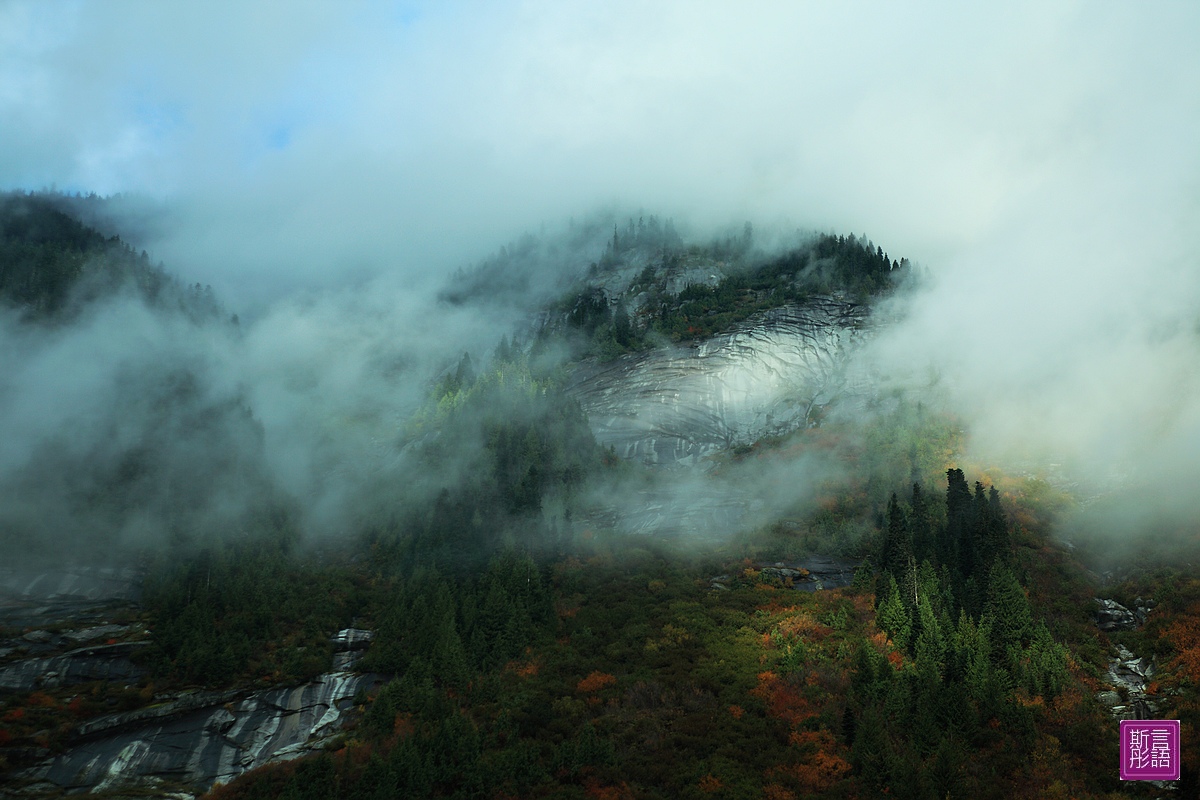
[679, 405]
[98, 663]
[201, 746]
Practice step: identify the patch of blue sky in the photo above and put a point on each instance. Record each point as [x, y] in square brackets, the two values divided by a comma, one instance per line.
[279, 136]
[272, 130]
[404, 12]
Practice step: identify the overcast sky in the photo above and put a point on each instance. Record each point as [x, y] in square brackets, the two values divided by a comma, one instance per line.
[303, 140]
[1041, 158]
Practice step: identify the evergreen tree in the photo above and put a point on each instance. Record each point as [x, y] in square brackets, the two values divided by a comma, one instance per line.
[956, 544]
[919, 526]
[1000, 544]
[892, 615]
[897, 543]
[622, 327]
[1008, 608]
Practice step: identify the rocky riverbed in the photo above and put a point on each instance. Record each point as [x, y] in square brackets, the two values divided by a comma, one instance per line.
[1128, 674]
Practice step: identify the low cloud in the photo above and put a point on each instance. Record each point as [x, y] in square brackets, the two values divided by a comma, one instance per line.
[325, 170]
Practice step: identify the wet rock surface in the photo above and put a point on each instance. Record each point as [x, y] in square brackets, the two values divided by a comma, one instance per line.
[79, 596]
[180, 744]
[71, 640]
[349, 645]
[1112, 616]
[681, 404]
[699, 515]
[201, 738]
[823, 572]
[109, 662]
[1128, 674]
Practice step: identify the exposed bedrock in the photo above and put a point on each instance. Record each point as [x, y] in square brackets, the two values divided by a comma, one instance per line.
[770, 376]
[203, 738]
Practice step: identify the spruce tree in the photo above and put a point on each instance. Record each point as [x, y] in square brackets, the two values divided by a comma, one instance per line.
[919, 525]
[892, 616]
[897, 542]
[1008, 607]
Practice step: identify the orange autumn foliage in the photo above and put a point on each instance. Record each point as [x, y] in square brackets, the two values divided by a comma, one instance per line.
[710, 784]
[523, 670]
[1184, 634]
[822, 765]
[41, 700]
[595, 682]
[782, 699]
[773, 791]
[804, 626]
[736, 712]
[774, 606]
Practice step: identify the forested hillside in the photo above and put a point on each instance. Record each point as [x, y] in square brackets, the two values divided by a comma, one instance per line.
[517, 645]
[52, 264]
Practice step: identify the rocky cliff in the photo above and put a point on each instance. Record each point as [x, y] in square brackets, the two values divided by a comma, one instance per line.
[772, 374]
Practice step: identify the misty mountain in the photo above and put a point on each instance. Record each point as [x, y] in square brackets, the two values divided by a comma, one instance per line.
[167, 442]
[134, 440]
[53, 265]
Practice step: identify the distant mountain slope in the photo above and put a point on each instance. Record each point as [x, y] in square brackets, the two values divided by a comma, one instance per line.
[115, 428]
[681, 351]
[52, 264]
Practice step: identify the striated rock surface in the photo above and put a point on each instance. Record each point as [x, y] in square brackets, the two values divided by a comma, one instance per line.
[769, 376]
[202, 738]
[672, 511]
[349, 645]
[109, 662]
[189, 740]
[78, 595]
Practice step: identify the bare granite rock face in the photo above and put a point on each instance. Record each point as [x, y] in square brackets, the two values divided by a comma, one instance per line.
[202, 737]
[1129, 675]
[1112, 616]
[677, 405]
[74, 595]
[184, 741]
[106, 662]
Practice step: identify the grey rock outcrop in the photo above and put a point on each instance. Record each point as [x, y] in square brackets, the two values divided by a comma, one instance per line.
[678, 405]
[348, 646]
[75, 595]
[98, 663]
[202, 738]
[1112, 616]
[1129, 675]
